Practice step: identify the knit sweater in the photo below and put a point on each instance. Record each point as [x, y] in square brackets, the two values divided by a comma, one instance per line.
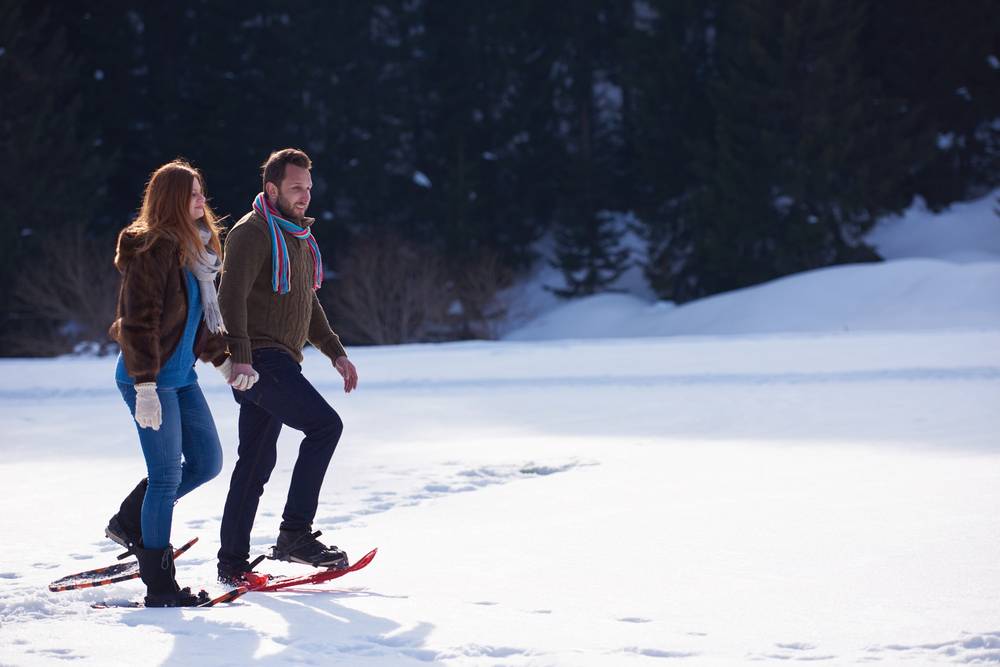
[255, 315]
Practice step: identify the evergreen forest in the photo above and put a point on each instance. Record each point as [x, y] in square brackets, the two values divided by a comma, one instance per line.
[457, 143]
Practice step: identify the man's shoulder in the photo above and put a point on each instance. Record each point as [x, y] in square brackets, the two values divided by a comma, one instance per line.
[250, 225]
[251, 219]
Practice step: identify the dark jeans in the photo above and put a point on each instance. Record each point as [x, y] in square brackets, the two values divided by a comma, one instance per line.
[281, 396]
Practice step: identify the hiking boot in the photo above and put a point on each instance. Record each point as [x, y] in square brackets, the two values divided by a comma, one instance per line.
[301, 546]
[239, 574]
[116, 532]
[157, 571]
[125, 528]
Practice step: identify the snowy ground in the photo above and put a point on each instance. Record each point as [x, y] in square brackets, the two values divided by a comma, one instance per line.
[826, 495]
[618, 502]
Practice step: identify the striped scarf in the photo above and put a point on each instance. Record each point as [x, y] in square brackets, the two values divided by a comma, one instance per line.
[280, 270]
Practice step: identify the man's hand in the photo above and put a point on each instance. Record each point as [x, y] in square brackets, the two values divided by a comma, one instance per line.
[240, 376]
[348, 372]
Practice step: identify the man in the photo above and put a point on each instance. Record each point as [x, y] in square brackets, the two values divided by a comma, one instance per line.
[270, 275]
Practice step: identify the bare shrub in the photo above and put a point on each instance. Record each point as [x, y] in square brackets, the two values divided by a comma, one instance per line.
[476, 285]
[389, 292]
[65, 298]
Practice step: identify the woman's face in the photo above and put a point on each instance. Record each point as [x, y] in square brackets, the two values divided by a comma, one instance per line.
[197, 203]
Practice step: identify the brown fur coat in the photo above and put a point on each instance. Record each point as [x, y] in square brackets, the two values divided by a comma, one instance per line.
[152, 308]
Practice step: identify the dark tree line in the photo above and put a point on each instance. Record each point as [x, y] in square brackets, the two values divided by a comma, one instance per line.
[743, 139]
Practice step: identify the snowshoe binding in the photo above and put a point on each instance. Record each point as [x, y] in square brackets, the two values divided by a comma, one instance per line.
[301, 546]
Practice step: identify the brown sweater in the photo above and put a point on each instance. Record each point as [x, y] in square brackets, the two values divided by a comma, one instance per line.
[255, 315]
[152, 308]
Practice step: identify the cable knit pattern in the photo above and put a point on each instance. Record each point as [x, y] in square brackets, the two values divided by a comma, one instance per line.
[255, 315]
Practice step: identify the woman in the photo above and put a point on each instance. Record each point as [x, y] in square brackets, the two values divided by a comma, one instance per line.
[168, 317]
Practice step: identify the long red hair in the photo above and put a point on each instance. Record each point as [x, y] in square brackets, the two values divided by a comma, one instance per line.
[165, 212]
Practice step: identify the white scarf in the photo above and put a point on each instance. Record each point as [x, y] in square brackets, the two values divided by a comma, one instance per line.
[205, 268]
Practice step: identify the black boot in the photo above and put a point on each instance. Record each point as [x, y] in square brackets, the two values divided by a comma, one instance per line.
[125, 528]
[301, 546]
[156, 568]
[234, 574]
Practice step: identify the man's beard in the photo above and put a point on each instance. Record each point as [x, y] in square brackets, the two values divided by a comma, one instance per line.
[287, 210]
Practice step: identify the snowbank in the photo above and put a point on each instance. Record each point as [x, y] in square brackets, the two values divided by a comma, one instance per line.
[922, 294]
[964, 232]
[942, 272]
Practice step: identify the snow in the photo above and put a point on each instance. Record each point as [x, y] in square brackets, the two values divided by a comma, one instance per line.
[964, 233]
[421, 179]
[910, 294]
[746, 489]
[942, 271]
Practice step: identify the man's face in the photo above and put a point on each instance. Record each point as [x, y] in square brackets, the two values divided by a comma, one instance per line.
[295, 192]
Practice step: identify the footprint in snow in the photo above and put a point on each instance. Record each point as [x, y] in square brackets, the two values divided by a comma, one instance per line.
[480, 651]
[437, 488]
[9, 575]
[635, 619]
[459, 481]
[794, 651]
[62, 653]
[797, 646]
[658, 653]
[968, 648]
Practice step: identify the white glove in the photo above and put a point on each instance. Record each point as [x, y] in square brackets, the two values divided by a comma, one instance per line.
[226, 368]
[147, 406]
[242, 381]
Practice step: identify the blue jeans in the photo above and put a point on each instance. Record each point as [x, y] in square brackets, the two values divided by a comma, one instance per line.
[181, 456]
[281, 396]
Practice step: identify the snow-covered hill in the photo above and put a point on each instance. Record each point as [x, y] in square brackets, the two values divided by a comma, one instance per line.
[941, 272]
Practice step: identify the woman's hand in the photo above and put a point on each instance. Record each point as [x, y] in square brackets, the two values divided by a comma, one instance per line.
[240, 376]
[147, 406]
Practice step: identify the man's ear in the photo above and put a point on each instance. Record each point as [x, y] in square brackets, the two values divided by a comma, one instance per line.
[271, 190]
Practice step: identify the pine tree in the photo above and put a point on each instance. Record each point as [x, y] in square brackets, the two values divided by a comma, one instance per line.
[590, 106]
[667, 59]
[591, 256]
[942, 62]
[483, 138]
[802, 161]
[47, 159]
